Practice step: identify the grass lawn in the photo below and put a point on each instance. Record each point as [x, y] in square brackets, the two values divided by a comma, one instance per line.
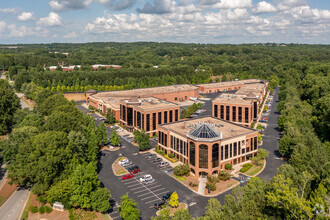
[1, 200]
[121, 171]
[254, 170]
[181, 178]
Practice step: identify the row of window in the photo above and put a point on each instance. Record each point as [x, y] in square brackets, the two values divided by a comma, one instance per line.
[162, 138]
[126, 114]
[234, 114]
[179, 146]
[227, 151]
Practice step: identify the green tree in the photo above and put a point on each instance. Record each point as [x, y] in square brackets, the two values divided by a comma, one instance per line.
[60, 192]
[9, 103]
[213, 210]
[128, 209]
[101, 133]
[114, 138]
[174, 200]
[110, 117]
[84, 182]
[164, 214]
[284, 197]
[259, 127]
[100, 199]
[182, 214]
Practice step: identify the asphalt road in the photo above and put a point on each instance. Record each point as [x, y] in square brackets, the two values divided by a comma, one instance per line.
[13, 207]
[23, 104]
[146, 196]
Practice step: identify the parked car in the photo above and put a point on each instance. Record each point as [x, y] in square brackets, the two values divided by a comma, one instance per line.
[127, 163]
[163, 164]
[159, 205]
[166, 196]
[157, 160]
[152, 156]
[145, 177]
[149, 181]
[132, 168]
[127, 176]
[122, 161]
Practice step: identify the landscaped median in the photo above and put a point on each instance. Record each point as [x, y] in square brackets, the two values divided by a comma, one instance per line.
[253, 169]
[169, 157]
[118, 169]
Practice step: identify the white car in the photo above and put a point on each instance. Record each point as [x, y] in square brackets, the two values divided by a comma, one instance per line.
[163, 164]
[123, 161]
[145, 178]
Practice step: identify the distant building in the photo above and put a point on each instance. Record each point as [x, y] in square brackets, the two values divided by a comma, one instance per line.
[207, 144]
[94, 67]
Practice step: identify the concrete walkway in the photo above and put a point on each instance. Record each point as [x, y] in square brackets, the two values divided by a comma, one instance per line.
[202, 185]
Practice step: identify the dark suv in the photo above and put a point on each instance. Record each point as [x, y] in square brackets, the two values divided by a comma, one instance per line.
[130, 169]
[159, 205]
[166, 196]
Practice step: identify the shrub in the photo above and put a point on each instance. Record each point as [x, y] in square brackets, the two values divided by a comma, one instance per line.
[42, 209]
[246, 167]
[48, 209]
[211, 186]
[193, 184]
[212, 179]
[42, 199]
[71, 216]
[224, 175]
[170, 155]
[33, 209]
[228, 166]
[181, 170]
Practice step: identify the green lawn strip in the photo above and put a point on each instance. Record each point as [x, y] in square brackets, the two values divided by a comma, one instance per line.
[1, 200]
[25, 214]
[181, 178]
[254, 170]
[121, 171]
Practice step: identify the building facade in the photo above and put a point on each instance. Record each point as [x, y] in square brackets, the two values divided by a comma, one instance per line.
[147, 113]
[207, 144]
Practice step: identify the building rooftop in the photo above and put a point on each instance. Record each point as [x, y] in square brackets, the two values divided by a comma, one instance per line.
[233, 99]
[149, 103]
[188, 128]
[251, 91]
[230, 83]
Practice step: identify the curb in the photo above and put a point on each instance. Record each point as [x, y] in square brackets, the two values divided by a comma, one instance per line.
[4, 202]
[261, 169]
[114, 171]
[157, 213]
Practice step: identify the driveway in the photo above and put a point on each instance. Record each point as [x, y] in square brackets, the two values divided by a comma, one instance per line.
[146, 196]
[23, 104]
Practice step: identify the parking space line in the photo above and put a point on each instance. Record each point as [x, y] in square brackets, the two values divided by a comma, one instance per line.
[154, 186]
[132, 185]
[148, 193]
[158, 189]
[147, 197]
[145, 194]
[152, 201]
[162, 193]
[138, 187]
[140, 191]
[126, 181]
[146, 188]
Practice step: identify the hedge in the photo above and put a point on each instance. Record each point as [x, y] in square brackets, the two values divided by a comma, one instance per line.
[246, 167]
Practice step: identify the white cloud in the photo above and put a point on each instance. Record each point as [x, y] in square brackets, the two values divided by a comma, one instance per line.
[53, 19]
[25, 16]
[229, 4]
[2, 26]
[70, 35]
[288, 4]
[158, 7]
[9, 10]
[66, 5]
[23, 31]
[264, 7]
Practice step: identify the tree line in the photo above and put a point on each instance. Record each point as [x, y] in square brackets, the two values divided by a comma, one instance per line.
[54, 150]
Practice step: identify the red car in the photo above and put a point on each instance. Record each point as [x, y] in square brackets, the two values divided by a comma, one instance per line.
[135, 170]
[127, 176]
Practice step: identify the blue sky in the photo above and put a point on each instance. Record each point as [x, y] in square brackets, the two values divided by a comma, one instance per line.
[197, 21]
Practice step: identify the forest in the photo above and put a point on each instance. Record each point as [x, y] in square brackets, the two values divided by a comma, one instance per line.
[299, 190]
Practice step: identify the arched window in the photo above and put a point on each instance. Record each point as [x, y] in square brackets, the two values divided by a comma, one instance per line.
[192, 153]
[215, 155]
[203, 156]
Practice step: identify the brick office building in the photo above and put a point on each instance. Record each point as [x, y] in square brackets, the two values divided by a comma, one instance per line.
[243, 106]
[105, 101]
[207, 144]
[147, 113]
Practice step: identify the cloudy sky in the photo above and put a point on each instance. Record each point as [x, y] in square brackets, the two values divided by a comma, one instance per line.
[197, 21]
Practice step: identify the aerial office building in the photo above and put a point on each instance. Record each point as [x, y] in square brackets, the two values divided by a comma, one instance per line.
[207, 144]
